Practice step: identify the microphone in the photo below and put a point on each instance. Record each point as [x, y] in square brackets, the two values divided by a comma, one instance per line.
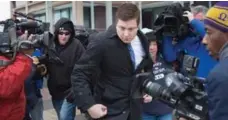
[23, 15]
[30, 24]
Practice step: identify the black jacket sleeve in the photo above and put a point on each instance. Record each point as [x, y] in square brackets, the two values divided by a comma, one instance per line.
[81, 77]
[80, 49]
[217, 95]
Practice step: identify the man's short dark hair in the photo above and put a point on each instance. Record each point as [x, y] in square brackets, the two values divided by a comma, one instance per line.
[128, 11]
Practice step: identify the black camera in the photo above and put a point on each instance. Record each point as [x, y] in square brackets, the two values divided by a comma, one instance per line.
[190, 65]
[183, 93]
[171, 22]
[190, 101]
[11, 44]
[33, 26]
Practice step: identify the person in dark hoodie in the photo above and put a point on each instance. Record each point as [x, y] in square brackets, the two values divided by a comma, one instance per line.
[69, 50]
[157, 110]
[216, 41]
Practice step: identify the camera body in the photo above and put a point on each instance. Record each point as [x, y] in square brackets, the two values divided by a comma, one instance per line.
[11, 44]
[184, 93]
[33, 27]
[171, 22]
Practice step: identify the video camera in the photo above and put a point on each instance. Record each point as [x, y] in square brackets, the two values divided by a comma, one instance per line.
[185, 94]
[171, 22]
[11, 42]
[33, 27]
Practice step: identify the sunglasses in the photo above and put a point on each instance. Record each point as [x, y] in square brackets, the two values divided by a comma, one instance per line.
[65, 33]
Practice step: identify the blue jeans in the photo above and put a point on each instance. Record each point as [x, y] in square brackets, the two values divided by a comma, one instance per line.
[37, 112]
[64, 109]
[154, 117]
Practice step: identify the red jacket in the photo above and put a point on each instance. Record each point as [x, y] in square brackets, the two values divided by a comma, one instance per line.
[12, 96]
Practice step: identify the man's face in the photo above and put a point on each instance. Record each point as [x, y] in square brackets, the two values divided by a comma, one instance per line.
[127, 30]
[63, 36]
[214, 40]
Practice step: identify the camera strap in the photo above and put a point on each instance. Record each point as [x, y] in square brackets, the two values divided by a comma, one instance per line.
[4, 63]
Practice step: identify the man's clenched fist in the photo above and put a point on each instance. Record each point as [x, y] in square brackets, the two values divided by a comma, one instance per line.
[97, 111]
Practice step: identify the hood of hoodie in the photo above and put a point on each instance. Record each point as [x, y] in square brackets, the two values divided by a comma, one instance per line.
[58, 24]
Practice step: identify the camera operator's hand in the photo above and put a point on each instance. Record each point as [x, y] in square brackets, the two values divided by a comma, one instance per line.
[24, 36]
[35, 60]
[189, 15]
[97, 111]
[31, 37]
[147, 98]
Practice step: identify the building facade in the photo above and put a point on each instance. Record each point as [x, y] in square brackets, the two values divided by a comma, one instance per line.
[92, 14]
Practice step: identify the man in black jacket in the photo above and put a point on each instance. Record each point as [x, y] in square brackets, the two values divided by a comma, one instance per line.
[69, 50]
[118, 59]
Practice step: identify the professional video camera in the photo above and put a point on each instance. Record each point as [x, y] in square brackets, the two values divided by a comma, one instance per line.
[33, 27]
[185, 94]
[171, 22]
[11, 44]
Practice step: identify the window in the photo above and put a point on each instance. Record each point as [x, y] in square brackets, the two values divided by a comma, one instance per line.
[13, 4]
[20, 3]
[62, 13]
[87, 21]
[149, 16]
[41, 17]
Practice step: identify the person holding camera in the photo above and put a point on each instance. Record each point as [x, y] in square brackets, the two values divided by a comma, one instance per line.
[199, 12]
[191, 45]
[12, 78]
[34, 83]
[114, 96]
[157, 110]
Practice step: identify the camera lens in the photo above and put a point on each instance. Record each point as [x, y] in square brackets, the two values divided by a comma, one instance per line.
[156, 90]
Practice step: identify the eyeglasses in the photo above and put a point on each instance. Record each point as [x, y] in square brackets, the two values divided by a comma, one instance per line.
[65, 33]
